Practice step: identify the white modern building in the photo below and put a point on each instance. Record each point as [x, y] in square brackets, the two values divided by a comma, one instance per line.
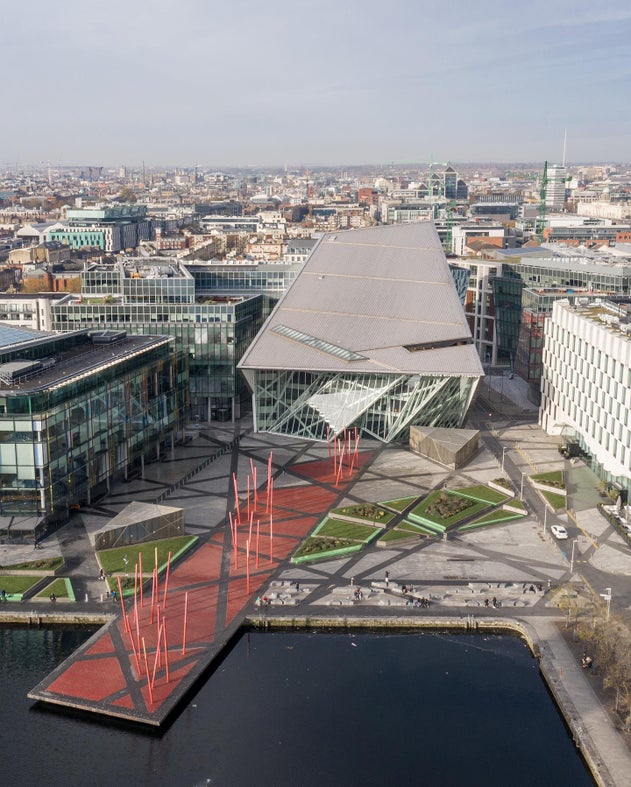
[586, 382]
[555, 191]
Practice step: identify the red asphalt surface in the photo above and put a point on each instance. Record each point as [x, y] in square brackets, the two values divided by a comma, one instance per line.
[110, 674]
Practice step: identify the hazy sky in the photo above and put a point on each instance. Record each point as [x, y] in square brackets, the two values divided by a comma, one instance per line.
[239, 82]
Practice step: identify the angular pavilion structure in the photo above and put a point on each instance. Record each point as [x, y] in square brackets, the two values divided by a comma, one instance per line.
[371, 335]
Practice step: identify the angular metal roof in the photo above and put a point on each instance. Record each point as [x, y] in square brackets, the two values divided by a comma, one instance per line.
[370, 300]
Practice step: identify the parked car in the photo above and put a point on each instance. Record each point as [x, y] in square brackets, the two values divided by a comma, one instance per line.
[558, 531]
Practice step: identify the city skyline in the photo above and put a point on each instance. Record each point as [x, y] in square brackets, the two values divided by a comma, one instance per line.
[355, 84]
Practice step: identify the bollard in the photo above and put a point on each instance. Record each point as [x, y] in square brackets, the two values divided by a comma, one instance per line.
[86, 597]
[101, 598]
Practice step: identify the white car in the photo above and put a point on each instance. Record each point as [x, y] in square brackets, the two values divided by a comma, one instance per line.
[558, 531]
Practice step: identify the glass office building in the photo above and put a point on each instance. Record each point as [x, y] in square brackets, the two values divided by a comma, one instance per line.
[162, 297]
[79, 410]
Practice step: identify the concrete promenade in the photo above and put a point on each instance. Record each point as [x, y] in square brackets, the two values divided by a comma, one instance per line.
[457, 575]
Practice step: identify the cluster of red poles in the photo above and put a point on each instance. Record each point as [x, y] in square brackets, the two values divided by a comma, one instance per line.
[134, 629]
[344, 448]
[244, 516]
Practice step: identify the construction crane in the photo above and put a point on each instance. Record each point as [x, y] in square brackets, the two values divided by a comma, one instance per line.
[541, 212]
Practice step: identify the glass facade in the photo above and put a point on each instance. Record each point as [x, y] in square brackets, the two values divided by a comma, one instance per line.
[314, 405]
[572, 274]
[270, 279]
[64, 438]
[214, 334]
[507, 291]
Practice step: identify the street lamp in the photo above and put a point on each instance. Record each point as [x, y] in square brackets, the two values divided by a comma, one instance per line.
[545, 519]
[572, 558]
[521, 488]
[607, 596]
[504, 450]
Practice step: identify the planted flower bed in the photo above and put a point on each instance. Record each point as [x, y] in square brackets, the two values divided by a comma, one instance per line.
[364, 512]
[320, 548]
[443, 510]
[334, 537]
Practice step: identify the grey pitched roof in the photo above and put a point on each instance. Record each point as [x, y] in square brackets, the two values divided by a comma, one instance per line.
[373, 293]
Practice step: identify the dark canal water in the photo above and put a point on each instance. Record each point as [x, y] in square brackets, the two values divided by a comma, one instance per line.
[306, 709]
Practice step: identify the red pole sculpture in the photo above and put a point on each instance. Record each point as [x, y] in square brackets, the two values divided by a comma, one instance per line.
[158, 624]
[120, 593]
[271, 539]
[349, 462]
[339, 472]
[137, 622]
[356, 451]
[144, 647]
[334, 453]
[166, 582]
[166, 649]
[135, 580]
[248, 495]
[156, 558]
[236, 496]
[185, 622]
[153, 593]
[258, 532]
[256, 491]
[251, 523]
[140, 577]
[247, 566]
[135, 652]
[157, 658]
[269, 480]
[135, 601]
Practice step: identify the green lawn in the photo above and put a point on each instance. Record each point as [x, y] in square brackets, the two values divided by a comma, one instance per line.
[556, 501]
[338, 528]
[398, 534]
[554, 477]
[111, 560]
[482, 493]
[400, 504]
[406, 530]
[59, 587]
[517, 504]
[492, 518]
[18, 584]
[45, 564]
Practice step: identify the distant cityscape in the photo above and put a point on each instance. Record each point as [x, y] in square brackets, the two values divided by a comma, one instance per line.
[93, 257]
